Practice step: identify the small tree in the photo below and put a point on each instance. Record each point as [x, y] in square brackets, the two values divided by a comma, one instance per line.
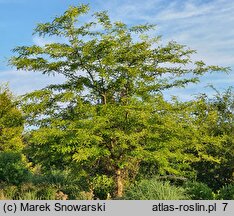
[13, 165]
[214, 119]
[11, 123]
[108, 116]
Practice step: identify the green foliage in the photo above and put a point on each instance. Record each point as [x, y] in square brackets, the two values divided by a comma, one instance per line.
[199, 191]
[103, 186]
[47, 192]
[52, 177]
[11, 123]
[83, 195]
[29, 195]
[29, 191]
[7, 191]
[73, 191]
[109, 117]
[226, 192]
[153, 189]
[65, 181]
[13, 168]
[214, 122]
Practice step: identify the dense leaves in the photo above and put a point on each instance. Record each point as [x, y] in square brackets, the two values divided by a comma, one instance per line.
[13, 165]
[109, 122]
[215, 119]
[11, 123]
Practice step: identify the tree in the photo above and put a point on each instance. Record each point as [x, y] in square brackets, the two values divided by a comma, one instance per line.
[108, 117]
[11, 123]
[214, 119]
[13, 164]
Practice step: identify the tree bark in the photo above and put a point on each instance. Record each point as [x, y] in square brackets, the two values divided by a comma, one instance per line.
[103, 99]
[119, 183]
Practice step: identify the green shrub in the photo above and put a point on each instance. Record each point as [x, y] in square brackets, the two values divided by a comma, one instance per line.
[53, 177]
[226, 192]
[84, 195]
[13, 168]
[47, 192]
[72, 190]
[29, 191]
[30, 195]
[153, 189]
[63, 181]
[199, 191]
[102, 186]
[37, 192]
[26, 191]
[8, 192]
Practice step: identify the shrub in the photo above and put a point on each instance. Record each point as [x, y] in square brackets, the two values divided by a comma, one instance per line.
[102, 186]
[63, 181]
[226, 192]
[199, 191]
[84, 195]
[13, 168]
[26, 191]
[29, 195]
[72, 190]
[54, 177]
[36, 192]
[153, 189]
[47, 192]
[7, 192]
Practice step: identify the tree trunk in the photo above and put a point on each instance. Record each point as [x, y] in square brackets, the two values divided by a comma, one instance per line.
[103, 98]
[119, 183]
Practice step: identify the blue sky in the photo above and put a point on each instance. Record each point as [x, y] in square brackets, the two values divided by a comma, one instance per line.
[204, 25]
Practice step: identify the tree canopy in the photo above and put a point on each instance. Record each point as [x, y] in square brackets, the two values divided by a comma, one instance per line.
[109, 117]
[11, 123]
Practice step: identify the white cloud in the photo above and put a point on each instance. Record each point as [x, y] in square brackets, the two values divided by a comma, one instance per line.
[42, 41]
[188, 9]
[206, 26]
[39, 41]
[21, 82]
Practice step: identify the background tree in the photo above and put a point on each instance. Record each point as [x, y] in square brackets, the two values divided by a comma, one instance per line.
[214, 118]
[13, 165]
[103, 120]
[11, 123]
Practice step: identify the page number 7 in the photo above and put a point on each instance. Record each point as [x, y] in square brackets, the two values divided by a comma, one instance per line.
[225, 205]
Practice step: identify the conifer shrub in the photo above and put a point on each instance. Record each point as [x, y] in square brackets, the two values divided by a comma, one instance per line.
[226, 192]
[13, 168]
[199, 191]
[153, 189]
